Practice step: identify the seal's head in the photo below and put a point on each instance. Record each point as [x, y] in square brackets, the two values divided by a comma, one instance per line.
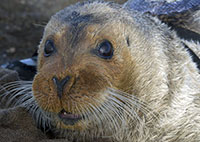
[82, 55]
[86, 54]
[97, 64]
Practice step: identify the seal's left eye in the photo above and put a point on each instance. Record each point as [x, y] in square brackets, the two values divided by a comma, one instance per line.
[105, 50]
[49, 48]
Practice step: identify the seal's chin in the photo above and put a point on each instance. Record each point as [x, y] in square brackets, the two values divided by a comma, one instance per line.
[68, 118]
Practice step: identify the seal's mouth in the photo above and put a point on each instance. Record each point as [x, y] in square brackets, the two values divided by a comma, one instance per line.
[68, 118]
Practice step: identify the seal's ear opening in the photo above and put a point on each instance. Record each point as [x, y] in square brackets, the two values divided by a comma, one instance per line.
[182, 13]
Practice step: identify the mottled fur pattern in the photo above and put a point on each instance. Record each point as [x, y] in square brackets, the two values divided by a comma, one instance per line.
[149, 91]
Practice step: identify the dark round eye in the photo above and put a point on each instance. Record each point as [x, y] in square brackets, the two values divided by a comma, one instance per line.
[49, 48]
[105, 50]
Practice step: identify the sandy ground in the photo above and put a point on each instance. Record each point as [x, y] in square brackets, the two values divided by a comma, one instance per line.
[21, 26]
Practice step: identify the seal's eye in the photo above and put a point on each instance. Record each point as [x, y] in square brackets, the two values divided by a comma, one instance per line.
[49, 48]
[105, 50]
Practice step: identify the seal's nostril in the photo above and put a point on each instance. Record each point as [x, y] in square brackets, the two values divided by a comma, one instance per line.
[65, 80]
[55, 80]
[60, 84]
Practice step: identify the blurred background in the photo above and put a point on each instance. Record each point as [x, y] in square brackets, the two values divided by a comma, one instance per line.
[22, 23]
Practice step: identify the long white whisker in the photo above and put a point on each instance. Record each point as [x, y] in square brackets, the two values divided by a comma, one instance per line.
[132, 101]
[108, 115]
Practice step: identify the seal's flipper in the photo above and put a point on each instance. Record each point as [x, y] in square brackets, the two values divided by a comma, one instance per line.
[178, 13]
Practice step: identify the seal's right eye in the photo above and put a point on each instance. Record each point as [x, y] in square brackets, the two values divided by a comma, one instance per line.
[49, 48]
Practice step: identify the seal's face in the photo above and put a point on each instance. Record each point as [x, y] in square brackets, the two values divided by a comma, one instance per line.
[78, 61]
[95, 70]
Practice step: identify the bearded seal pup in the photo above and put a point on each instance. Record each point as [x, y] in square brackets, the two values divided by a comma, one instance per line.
[115, 72]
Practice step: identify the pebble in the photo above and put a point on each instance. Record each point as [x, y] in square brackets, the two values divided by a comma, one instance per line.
[11, 50]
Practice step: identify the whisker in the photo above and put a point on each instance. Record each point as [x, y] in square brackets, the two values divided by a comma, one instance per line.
[108, 115]
[20, 93]
[132, 100]
[127, 109]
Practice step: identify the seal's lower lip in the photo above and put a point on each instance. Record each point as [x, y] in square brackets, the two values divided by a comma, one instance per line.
[69, 118]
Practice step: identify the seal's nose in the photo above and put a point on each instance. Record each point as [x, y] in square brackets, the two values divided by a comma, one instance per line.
[60, 84]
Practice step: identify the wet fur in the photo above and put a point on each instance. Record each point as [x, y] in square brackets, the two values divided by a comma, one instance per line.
[149, 91]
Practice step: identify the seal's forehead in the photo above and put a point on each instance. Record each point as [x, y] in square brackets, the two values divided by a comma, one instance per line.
[75, 18]
[93, 8]
[84, 13]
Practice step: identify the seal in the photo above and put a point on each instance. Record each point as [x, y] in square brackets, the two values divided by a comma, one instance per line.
[105, 71]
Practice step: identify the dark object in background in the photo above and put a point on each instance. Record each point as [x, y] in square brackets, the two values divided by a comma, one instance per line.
[162, 7]
[26, 68]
